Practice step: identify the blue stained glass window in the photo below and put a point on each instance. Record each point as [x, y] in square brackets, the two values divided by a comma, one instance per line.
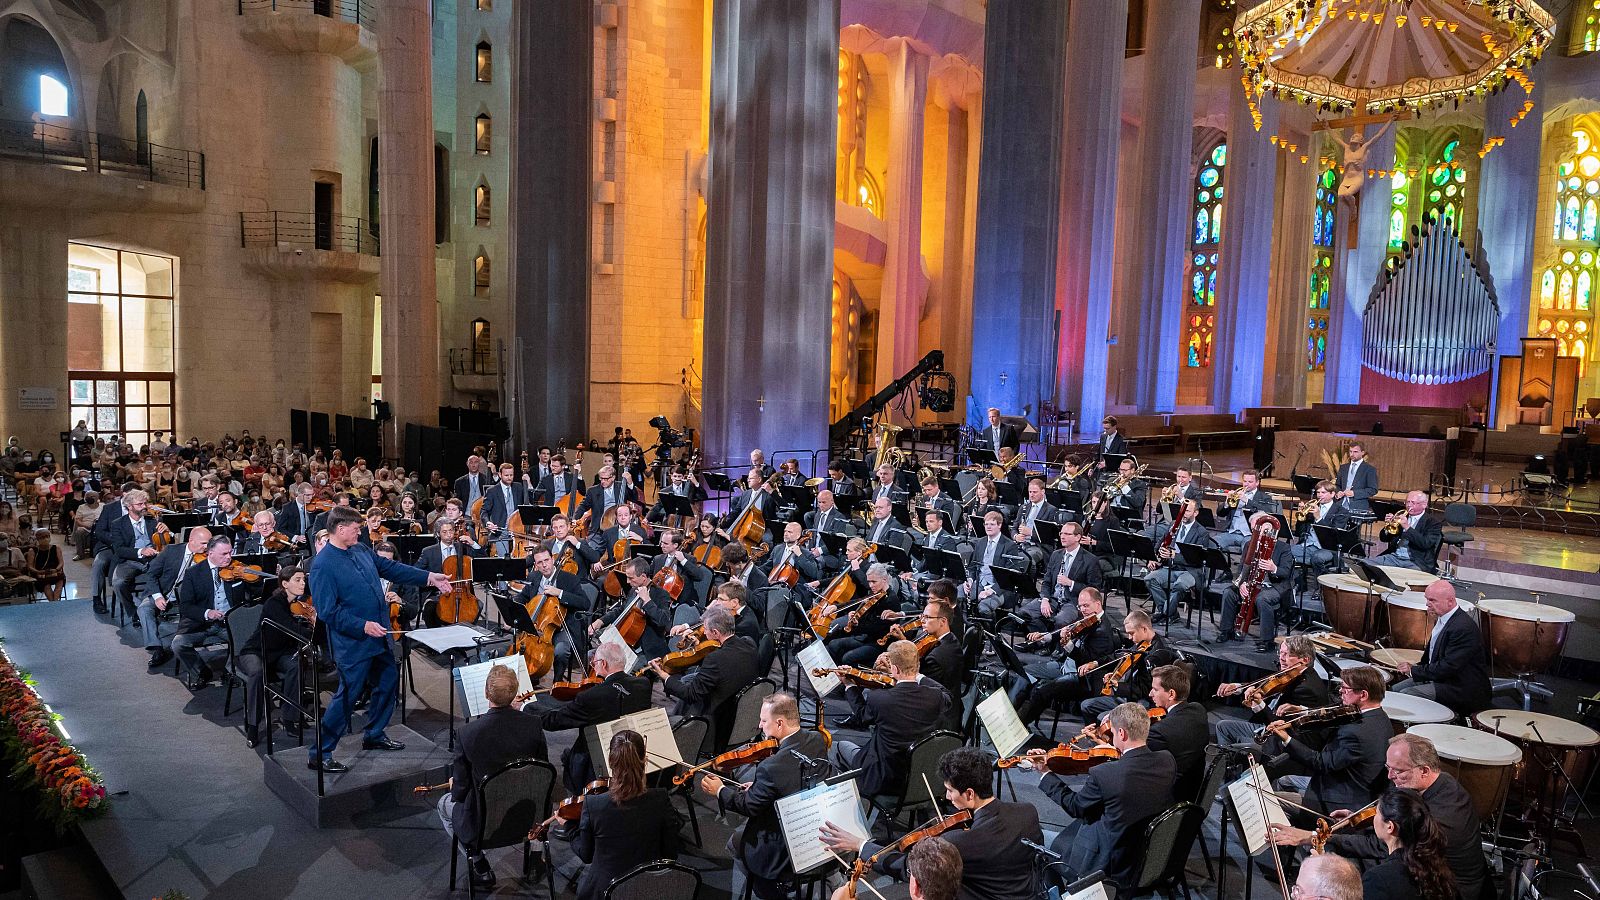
[1208, 177]
[1207, 193]
[1202, 226]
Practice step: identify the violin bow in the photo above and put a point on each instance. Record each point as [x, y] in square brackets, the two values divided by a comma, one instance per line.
[835, 854]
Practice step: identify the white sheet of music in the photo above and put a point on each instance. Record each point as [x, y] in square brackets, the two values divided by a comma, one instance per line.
[1096, 891]
[445, 638]
[610, 634]
[815, 656]
[661, 748]
[1257, 806]
[1000, 719]
[470, 679]
[803, 815]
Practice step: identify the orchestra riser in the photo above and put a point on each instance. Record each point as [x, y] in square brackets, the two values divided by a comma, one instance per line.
[379, 782]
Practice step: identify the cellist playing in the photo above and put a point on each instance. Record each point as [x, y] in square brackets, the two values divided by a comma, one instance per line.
[560, 587]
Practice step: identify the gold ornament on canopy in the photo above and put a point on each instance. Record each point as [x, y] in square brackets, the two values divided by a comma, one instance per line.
[1381, 57]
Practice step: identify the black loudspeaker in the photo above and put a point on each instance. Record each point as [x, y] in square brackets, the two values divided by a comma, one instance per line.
[1266, 443]
[368, 440]
[433, 456]
[320, 433]
[413, 450]
[344, 437]
[299, 428]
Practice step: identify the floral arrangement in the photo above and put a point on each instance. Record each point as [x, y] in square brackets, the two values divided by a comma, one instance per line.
[30, 736]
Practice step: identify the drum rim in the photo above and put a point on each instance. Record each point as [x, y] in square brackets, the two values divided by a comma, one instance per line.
[1407, 600]
[1407, 654]
[1543, 718]
[1459, 732]
[1563, 616]
[1410, 698]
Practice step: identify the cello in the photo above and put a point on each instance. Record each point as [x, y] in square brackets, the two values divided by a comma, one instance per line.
[460, 604]
[538, 649]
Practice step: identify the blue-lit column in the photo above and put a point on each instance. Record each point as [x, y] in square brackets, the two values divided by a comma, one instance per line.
[1245, 260]
[1358, 266]
[1019, 190]
[1508, 212]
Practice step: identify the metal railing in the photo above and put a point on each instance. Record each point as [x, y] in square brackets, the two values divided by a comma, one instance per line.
[358, 11]
[472, 361]
[103, 153]
[273, 229]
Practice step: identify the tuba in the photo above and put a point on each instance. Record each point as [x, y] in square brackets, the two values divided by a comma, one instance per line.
[885, 451]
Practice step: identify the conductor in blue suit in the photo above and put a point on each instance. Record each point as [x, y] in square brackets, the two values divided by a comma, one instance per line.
[349, 598]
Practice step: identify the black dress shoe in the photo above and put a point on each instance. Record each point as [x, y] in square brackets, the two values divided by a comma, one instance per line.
[382, 744]
[1224, 637]
[100, 609]
[252, 736]
[160, 657]
[482, 873]
[328, 766]
[1264, 647]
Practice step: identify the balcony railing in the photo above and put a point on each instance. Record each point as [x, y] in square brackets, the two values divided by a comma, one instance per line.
[358, 11]
[272, 229]
[75, 148]
[472, 361]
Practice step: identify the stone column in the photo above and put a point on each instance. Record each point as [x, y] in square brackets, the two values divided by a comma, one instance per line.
[769, 225]
[1085, 264]
[905, 286]
[1508, 213]
[1357, 268]
[1166, 145]
[405, 182]
[33, 329]
[1019, 194]
[549, 202]
[1288, 298]
[1245, 260]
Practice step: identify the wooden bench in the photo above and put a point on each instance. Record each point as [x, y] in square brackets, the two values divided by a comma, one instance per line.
[1143, 432]
[1213, 429]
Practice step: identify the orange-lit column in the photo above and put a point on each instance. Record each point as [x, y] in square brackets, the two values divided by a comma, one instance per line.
[905, 286]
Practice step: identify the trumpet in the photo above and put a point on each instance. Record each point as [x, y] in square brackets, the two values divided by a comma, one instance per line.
[1308, 510]
[1231, 498]
[1169, 494]
[1391, 526]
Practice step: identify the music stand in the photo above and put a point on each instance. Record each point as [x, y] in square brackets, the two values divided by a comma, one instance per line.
[514, 613]
[835, 543]
[1047, 532]
[1381, 508]
[982, 456]
[537, 515]
[646, 551]
[717, 482]
[493, 569]
[900, 513]
[800, 496]
[950, 487]
[1130, 545]
[179, 523]
[1065, 500]
[1014, 580]
[1373, 575]
[1305, 485]
[1007, 492]
[1113, 461]
[409, 546]
[895, 557]
[940, 563]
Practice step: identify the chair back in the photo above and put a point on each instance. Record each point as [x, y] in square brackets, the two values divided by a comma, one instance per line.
[1461, 515]
[513, 799]
[1216, 776]
[971, 651]
[664, 879]
[925, 756]
[242, 623]
[747, 710]
[1167, 841]
[690, 735]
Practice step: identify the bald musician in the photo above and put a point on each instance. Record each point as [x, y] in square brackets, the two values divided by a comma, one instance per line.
[1452, 670]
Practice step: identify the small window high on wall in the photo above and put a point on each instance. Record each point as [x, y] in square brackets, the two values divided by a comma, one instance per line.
[52, 96]
[485, 64]
[483, 136]
[480, 205]
[480, 276]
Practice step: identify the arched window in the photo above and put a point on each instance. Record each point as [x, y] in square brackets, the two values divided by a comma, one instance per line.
[480, 275]
[1321, 270]
[485, 5]
[1567, 285]
[52, 96]
[482, 347]
[480, 205]
[1200, 313]
[485, 63]
[1586, 26]
[1446, 186]
[141, 129]
[483, 134]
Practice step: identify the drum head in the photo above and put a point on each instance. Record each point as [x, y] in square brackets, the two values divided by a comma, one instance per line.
[1393, 657]
[1410, 709]
[1526, 611]
[1414, 579]
[1409, 600]
[1519, 725]
[1469, 745]
[1342, 582]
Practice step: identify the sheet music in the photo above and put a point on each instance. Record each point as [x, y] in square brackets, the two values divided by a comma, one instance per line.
[1000, 719]
[469, 680]
[1257, 806]
[803, 815]
[1096, 891]
[611, 635]
[815, 656]
[446, 638]
[661, 747]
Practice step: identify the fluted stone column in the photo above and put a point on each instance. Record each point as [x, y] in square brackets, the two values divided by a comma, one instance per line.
[769, 225]
[1166, 138]
[905, 287]
[405, 182]
[1288, 295]
[1245, 260]
[1357, 267]
[33, 328]
[1019, 195]
[1508, 212]
[1086, 259]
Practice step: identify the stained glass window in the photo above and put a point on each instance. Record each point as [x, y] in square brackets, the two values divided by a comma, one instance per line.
[1565, 293]
[1200, 318]
[1321, 270]
[1447, 185]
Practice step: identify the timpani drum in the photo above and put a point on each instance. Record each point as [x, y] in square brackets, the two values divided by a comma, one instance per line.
[1544, 739]
[1523, 637]
[1346, 599]
[1407, 710]
[1483, 763]
[1409, 579]
[1409, 622]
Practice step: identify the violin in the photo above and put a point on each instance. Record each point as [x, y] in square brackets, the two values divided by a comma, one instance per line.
[318, 505]
[1124, 667]
[568, 810]
[1065, 759]
[276, 541]
[859, 612]
[897, 633]
[460, 604]
[1338, 714]
[836, 595]
[1324, 831]
[864, 864]
[680, 660]
[1275, 683]
[749, 754]
[240, 572]
[863, 678]
[692, 637]
[302, 608]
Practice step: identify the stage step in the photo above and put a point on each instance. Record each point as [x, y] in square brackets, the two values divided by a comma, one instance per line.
[378, 780]
[70, 873]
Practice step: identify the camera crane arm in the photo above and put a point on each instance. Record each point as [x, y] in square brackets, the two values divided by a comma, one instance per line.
[839, 432]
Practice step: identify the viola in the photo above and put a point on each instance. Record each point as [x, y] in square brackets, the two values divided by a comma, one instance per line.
[746, 755]
[1278, 682]
[1122, 669]
[1066, 759]
[568, 810]
[897, 633]
[302, 607]
[681, 660]
[863, 678]
[460, 604]
[276, 541]
[863, 865]
[563, 690]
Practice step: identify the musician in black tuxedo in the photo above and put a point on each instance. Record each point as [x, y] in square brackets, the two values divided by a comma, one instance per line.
[157, 590]
[1110, 442]
[269, 653]
[710, 690]
[605, 493]
[999, 434]
[1119, 798]
[826, 519]
[471, 487]
[995, 863]
[756, 493]
[431, 559]
[1348, 771]
[546, 583]
[560, 482]
[732, 598]
[858, 645]
[1237, 514]
[896, 717]
[792, 553]
[617, 695]
[130, 538]
[1183, 731]
[936, 536]
[1070, 569]
[1169, 578]
[845, 490]
[627, 824]
[603, 541]
[653, 602]
[408, 595]
[672, 556]
[1128, 501]
[204, 600]
[1417, 544]
[1151, 652]
[737, 568]
[1452, 670]
[1035, 507]
[1067, 673]
[1357, 482]
[1273, 598]
[295, 520]
[883, 529]
[678, 485]
[500, 502]
[934, 498]
[1306, 690]
[759, 846]
[1331, 512]
[944, 663]
[486, 744]
[991, 551]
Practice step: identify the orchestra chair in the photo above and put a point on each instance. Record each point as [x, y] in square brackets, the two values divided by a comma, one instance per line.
[1210, 787]
[242, 623]
[747, 710]
[511, 800]
[689, 734]
[1165, 845]
[925, 756]
[1462, 516]
[971, 657]
[664, 879]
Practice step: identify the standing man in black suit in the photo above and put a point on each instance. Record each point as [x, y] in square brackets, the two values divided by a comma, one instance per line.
[500, 501]
[756, 493]
[470, 488]
[1357, 482]
[1114, 804]
[1111, 442]
[1452, 670]
[560, 482]
[617, 695]
[1071, 568]
[995, 863]
[1000, 434]
[1307, 690]
[487, 744]
[897, 717]
[759, 846]
[1183, 731]
[204, 599]
[295, 520]
[1417, 544]
[1348, 771]
[710, 689]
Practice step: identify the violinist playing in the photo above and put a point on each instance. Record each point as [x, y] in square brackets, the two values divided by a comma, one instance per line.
[896, 717]
[942, 663]
[653, 602]
[627, 825]
[159, 586]
[1272, 599]
[407, 595]
[758, 846]
[1305, 690]
[1135, 685]
[617, 695]
[995, 864]
[269, 653]
[710, 690]
[204, 599]
[1067, 678]
[545, 580]
[1182, 731]
[878, 608]
[259, 540]
[1348, 771]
